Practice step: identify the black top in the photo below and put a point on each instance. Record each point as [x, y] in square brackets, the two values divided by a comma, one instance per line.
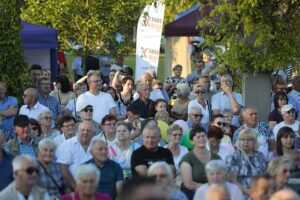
[146, 109]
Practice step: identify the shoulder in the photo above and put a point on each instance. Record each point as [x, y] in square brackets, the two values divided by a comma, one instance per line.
[12, 99]
[102, 196]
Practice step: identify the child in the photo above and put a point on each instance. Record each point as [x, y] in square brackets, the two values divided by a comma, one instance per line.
[160, 104]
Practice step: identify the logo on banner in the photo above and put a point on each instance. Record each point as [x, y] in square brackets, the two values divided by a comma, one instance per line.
[152, 22]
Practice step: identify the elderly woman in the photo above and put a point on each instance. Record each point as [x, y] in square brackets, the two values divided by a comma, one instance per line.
[275, 116]
[51, 176]
[216, 174]
[121, 150]
[45, 120]
[87, 178]
[192, 166]
[246, 162]
[180, 107]
[280, 169]
[174, 133]
[164, 175]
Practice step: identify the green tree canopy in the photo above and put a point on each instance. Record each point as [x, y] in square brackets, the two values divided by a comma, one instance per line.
[261, 35]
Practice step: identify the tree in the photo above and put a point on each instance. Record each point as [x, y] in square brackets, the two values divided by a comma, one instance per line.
[260, 35]
[12, 65]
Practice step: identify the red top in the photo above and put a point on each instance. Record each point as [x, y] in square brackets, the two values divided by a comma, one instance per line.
[75, 196]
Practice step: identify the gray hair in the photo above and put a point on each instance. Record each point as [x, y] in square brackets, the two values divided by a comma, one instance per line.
[248, 131]
[216, 165]
[42, 114]
[161, 164]
[47, 142]
[184, 89]
[92, 127]
[152, 128]
[85, 169]
[18, 161]
[94, 142]
[141, 85]
[245, 109]
[194, 108]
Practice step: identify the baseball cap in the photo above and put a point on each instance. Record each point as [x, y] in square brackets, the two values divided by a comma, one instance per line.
[287, 107]
[82, 105]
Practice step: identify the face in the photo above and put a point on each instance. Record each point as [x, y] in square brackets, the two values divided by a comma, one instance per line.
[46, 120]
[111, 75]
[214, 144]
[263, 190]
[35, 75]
[144, 92]
[128, 86]
[199, 140]
[69, 128]
[177, 72]
[283, 173]
[122, 133]
[251, 116]
[45, 86]
[226, 80]
[175, 137]
[28, 174]
[80, 90]
[161, 176]
[200, 92]
[164, 117]
[247, 142]
[205, 82]
[132, 117]
[87, 185]
[87, 113]
[196, 116]
[147, 78]
[112, 93]
[151, 139]
[216, 177]
[46, 154]
[219, 122]
[161, 106]
[2, 91]
[288, 140]
[95, 83]
[28, 97]
[100, 151]
[282, 101]
[199, 67]
[109, 127]
[23, 132]
[34, 130]
[289, 116]
[228, 118]
[85, 133]
[280, 88]
[46, 74]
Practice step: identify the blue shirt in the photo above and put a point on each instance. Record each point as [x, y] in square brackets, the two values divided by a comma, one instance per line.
[52, 104]
[27, 148]
[6, 175]
[111, 173]
[7, 123]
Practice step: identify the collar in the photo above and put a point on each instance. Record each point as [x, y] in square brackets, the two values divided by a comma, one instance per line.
[21, 142]
[35, 106]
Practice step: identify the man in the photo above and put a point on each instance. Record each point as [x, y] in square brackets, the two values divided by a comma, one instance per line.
[133, 117]
[24, 143]
[85, 113]
[5, 164]
[262, 187]
[67, 126]
[289, 114]
[74, 151]
[227, 99]
[77, 65]
[144, 103]
[205, 81]
[110, 171]
[296, 88]
[48, 100]
[36, 72]
[265, 135]
[150, 152]
[32, 108]
[25, 171]
[194, 117]
[102, 103]
[191, 78]
[8, 109]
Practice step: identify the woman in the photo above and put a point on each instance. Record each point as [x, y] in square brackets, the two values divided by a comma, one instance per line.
[275, 117]
[79, 88]
[219, 121]
[180, 107]
[50, 177]
[246, 162]
[120, 107]
[172, 82]
[229, 128]
[192, 166]
[87, 179]
[45, 120]
[214, 137]
[108, 134]
[174, 133]
[280, 169]
[35, 127]
[216, 174]
[121, 150]
[126, 95]
[64, 93]
[164, 175]
[285, 146]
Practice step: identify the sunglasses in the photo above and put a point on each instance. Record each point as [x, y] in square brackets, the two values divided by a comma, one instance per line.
[30, 170]
[88, 110]
[201, 91]
[286, 171]
[221, 123]
[198, 115]
[34, 128]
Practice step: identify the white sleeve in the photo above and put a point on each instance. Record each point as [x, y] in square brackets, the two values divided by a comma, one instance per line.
[63, 154]
[215, 104]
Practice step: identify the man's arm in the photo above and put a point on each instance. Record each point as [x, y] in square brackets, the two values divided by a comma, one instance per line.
[67, 174]
[235, 106]
[141, 170]
[11, 111]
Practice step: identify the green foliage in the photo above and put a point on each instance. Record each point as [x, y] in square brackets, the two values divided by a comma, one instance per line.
[13, 69]
[261, 35]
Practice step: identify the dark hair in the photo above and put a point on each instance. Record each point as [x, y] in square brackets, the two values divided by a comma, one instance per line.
[277, 96]
[65, 118]
[134, 109]
[258, 177]
[125, 79]
[127, 125]
[195, 130]
[128, 71]
[34, 122]
[159, 101]
[283, 132]
[42, 79]
[178, 66]
[65, 83]
[215, 132]
[112, 70]
[214, 117]
[108, 117]
[146, 121]
[36, 67]
[105, 89]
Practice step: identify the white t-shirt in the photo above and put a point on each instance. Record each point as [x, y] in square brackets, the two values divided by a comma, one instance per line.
[101, 103]
[205, 111]
[294, 126]
[33, 112]
[182, 151]
[71, 106]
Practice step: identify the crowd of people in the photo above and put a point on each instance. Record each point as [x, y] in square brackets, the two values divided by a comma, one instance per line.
[109, 137]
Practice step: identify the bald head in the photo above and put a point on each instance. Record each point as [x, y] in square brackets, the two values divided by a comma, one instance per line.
[147, 78]
[30, 96]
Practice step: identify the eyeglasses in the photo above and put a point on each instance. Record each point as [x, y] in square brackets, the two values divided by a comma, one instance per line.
[221, 123]
[110, 124]
[177, 135]
[88, 110]
[34, 128]
[30, 170]
[47, 118]
[69, 126]
[198, 115]
[200, 91]
[292, 111]
[286, 171]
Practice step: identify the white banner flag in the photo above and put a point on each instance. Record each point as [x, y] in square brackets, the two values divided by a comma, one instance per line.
[148, 38]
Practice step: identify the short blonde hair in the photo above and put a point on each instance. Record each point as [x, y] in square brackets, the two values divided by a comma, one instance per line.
[275, 163]
[250, 132]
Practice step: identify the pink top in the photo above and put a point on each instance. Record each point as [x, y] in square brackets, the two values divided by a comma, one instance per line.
[75, 196]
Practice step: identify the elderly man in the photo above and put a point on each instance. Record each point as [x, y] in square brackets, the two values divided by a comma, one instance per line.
[102, 102]
[111, 172]
[85, 113]
[25, 171]
[150, 152]
[74, 151]
[289, 114]
[191, 78]
[8, 109]
[194, 117]
[67, 126]
[227, 99]
[32, 108]
[264, 133]
[144, 103]
[24, 143]
[5, 164]
[262, 187]
[48, 100]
